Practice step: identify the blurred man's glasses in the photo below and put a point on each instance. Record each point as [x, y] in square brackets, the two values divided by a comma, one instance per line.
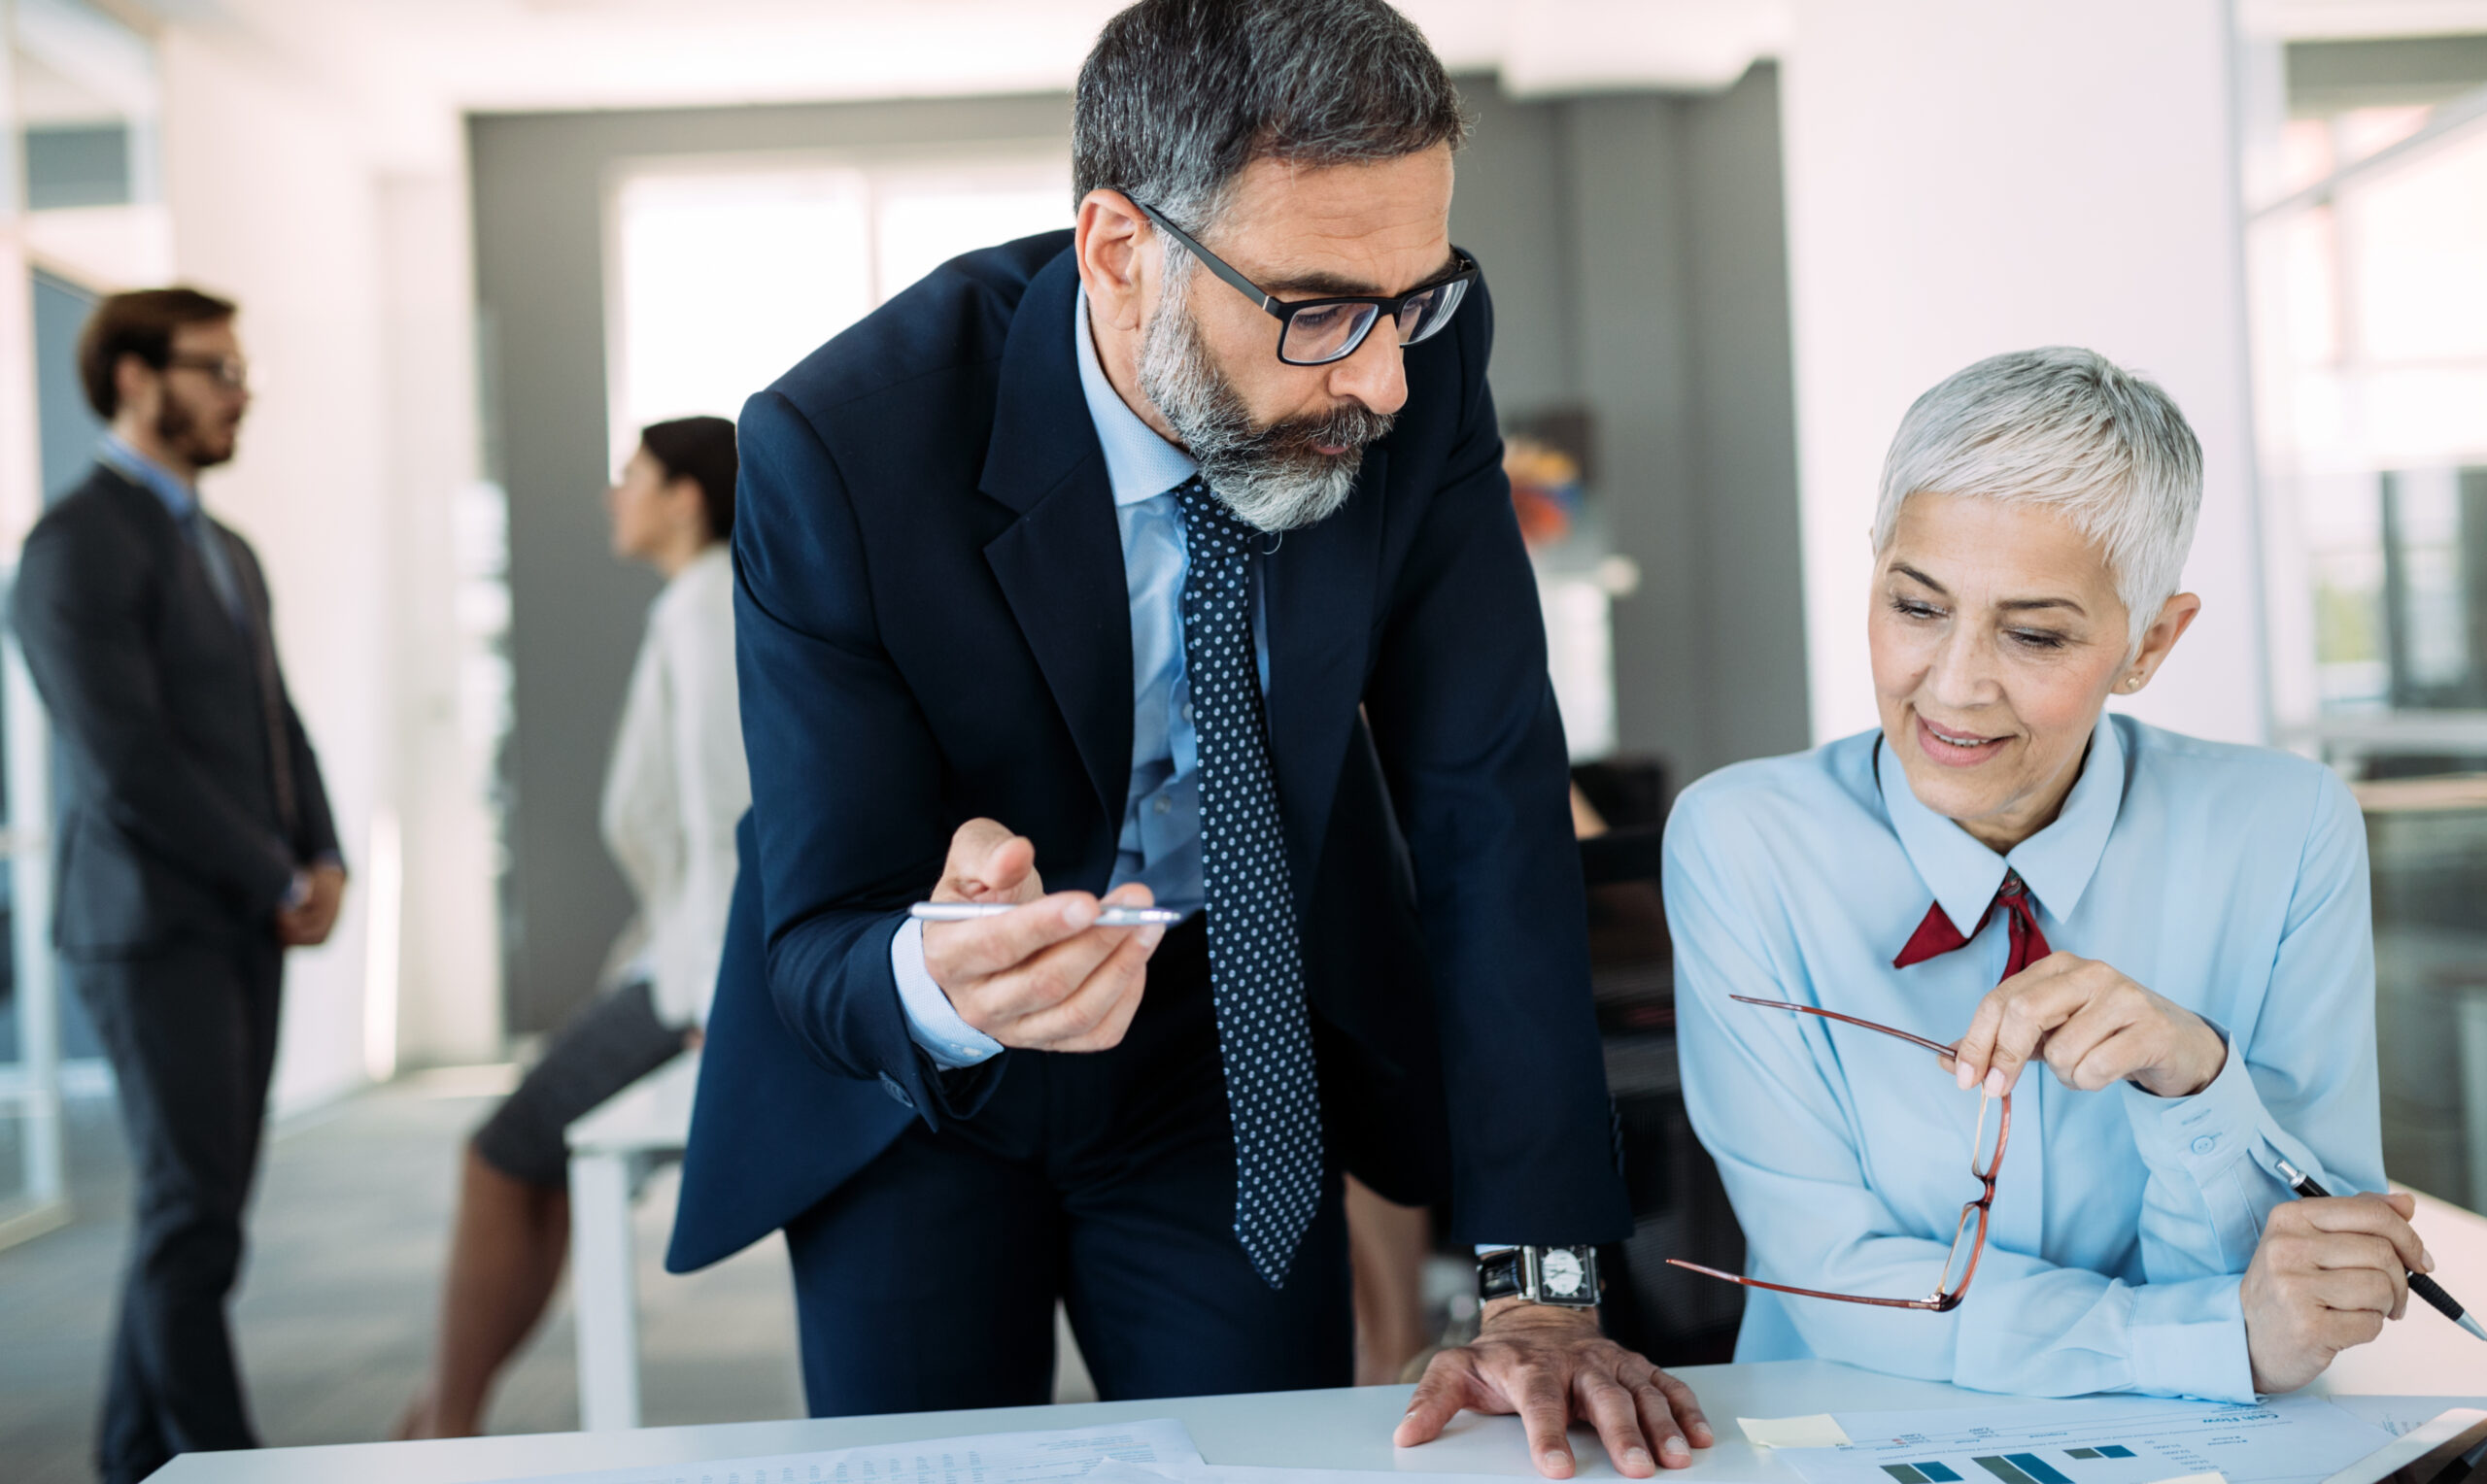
[1314, 332]
[1969, 1237]
[230, 372]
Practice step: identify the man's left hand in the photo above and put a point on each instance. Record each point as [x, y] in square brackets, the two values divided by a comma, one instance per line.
[307, 923]
[1552, 1367]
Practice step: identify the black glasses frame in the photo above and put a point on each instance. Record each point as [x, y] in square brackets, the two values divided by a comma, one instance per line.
[1464, 272]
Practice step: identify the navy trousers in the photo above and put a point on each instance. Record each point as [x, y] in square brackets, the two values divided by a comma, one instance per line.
[191, 1032]
[1104, 1180]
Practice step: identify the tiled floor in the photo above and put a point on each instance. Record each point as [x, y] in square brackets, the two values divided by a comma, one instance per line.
[335, 1313]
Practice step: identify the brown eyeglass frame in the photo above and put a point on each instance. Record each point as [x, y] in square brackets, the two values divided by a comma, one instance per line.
[1943, 1300]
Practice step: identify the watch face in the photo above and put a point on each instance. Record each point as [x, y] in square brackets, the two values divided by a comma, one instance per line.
[1560, 1272]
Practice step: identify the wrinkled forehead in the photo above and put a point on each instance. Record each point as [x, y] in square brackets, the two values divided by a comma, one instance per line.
[1300, 230]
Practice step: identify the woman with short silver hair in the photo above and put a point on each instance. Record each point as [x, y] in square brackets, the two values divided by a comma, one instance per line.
[1875, 939]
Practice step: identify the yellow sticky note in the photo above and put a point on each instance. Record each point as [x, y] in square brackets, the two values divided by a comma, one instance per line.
[1815, 1431]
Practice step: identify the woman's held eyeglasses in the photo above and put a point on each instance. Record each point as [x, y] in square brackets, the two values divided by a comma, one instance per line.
[1314, 332]
[1969, 1237]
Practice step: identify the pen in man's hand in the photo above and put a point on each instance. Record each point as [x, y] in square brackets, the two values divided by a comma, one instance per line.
[2419, 1283]
[1111, 915]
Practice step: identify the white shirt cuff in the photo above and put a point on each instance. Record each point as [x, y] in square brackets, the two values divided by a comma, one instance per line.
[930, 1018]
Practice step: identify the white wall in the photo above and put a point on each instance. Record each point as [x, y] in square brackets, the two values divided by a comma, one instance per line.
[449, 1000]
[1967, 178]
[354, 313]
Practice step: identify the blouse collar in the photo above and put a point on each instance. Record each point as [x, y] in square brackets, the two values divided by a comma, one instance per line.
[2055, 864]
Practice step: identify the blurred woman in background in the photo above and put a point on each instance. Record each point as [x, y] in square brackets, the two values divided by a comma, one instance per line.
[673, 789]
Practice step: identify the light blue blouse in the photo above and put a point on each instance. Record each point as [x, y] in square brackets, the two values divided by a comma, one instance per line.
[2231, 880]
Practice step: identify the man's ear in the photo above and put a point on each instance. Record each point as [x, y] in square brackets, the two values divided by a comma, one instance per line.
[135, 382]
[1117, 251]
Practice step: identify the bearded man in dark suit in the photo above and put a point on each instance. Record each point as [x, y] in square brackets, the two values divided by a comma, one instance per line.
[1168, 559]
[195, 841]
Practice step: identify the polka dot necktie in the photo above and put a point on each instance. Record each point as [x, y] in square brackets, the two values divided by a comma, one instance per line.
[1256, 966]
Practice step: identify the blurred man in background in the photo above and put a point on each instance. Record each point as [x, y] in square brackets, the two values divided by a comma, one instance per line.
[196, 840]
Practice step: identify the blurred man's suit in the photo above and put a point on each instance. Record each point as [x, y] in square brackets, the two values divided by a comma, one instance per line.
[189, 800]
[934, 626]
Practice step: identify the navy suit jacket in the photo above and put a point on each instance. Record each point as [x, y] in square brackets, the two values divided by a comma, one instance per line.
[931, 625]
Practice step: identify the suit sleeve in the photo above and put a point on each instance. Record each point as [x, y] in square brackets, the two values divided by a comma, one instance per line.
[79, 610]
[1463, 715]
[846, 775]
[315, 826]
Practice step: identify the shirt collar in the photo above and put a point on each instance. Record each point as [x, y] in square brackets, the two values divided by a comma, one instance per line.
[2055, 864]
[1139, 464]
[165, 485]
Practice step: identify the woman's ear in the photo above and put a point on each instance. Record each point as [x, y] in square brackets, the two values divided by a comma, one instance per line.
[2175, 616]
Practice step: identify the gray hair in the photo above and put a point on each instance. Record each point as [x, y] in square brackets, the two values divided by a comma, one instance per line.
[2067, 428]
[1179, 96]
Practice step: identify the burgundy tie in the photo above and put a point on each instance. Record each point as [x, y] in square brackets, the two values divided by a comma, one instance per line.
[1936, 935]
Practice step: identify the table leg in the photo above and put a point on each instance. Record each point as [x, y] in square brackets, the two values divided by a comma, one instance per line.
[602, 1302]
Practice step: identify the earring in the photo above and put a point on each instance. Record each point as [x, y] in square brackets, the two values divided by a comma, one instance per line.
[2132, 682]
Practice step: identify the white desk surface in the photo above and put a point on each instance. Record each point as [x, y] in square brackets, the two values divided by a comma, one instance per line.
[651, 1115]
[1348, 1428]
[1344, 1429]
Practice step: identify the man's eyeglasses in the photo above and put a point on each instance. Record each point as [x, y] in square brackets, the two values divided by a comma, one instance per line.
[1314, 332]
[1969, 1237]
[230, 372]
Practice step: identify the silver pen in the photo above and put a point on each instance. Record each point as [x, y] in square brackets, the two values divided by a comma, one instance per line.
[1109, 916]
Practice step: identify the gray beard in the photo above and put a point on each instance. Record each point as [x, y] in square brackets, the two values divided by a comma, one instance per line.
[1273, 477]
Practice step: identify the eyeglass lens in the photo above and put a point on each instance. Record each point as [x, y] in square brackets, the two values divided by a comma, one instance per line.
[1965, 1249]
[1986, 1145]
[1329, 331]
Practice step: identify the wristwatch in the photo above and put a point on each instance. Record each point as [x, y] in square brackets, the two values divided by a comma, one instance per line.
[1563, 1276]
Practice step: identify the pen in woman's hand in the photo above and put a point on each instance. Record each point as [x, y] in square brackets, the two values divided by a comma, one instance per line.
[2419, 1283]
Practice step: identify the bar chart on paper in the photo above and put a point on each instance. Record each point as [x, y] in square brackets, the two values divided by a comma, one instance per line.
[2105, 1440]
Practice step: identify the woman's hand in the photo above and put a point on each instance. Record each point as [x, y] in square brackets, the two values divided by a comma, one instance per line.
[2326, 1276]
[2095, 1027]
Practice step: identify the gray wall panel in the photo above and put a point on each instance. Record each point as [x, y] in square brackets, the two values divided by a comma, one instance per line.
[1635, 245]
[576, 613]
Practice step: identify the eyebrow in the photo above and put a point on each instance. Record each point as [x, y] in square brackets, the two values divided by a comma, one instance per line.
[2008, 605]
[1317, 285]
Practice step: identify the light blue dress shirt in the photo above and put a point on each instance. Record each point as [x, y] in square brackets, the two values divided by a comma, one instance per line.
[2231, 880]
[1160, 844]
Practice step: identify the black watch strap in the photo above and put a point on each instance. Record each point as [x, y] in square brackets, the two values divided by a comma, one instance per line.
[1499, 1275]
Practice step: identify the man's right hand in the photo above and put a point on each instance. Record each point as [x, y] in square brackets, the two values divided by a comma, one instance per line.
[2325, 1277]
[1042, 978]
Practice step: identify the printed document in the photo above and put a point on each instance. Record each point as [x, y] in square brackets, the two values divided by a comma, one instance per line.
[995, 1457]
[2094, 1440]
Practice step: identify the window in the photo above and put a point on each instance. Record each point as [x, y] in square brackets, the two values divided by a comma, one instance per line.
[723, 273]
[2368, 282]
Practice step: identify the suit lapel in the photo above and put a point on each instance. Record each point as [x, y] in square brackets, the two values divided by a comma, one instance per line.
[1060, 564]
[1319, 584]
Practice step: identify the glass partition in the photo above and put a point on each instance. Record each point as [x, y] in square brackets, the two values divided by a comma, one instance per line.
[2368, 275]
[78, 215]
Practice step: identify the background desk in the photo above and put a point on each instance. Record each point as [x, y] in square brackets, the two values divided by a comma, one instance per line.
[1344, 1429]
[610, 1150]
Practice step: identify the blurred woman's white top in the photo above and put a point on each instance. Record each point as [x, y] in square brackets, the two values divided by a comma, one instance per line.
[677, 783]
